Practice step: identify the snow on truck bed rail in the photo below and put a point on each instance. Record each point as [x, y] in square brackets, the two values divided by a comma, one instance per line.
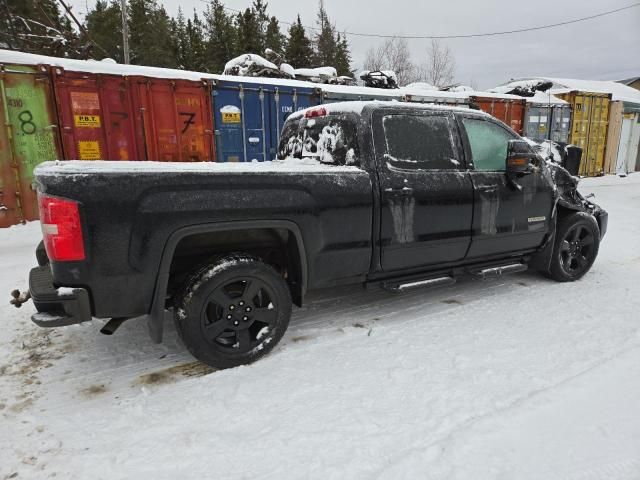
[289, 165]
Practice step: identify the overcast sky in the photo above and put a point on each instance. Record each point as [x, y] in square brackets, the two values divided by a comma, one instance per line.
[603, 48]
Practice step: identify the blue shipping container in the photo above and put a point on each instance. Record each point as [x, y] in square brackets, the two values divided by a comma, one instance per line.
[248, 117]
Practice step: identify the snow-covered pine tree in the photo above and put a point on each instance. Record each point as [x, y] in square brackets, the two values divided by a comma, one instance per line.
[299, 51]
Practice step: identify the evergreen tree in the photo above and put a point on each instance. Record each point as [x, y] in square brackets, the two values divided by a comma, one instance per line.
[104, 24]
[325, 40]
[221, 37]
[150, 35]
[299, 51]
[274, 39]
[37, 26]
[259, 9]
[250, 39]
[193, 45]
[342, 60]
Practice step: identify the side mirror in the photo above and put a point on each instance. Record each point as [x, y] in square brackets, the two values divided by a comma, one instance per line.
[519, 156]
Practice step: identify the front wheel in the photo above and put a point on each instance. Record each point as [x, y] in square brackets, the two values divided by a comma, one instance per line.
[576, 247]
[233, 311]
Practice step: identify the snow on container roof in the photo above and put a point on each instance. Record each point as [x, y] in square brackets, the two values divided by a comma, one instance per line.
[109, 68]
[539, 98]
[618, 91]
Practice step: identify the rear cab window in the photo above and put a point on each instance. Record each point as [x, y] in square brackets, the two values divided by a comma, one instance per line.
[331, 139]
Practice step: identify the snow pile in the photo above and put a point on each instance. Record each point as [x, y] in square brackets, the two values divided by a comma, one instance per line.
[317, 75]
[251, 65]
[379, 78]
[421, 86]
[460, 88]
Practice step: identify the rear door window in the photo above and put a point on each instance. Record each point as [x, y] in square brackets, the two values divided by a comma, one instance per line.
[420, 142]
[488, 143]
[331, 140]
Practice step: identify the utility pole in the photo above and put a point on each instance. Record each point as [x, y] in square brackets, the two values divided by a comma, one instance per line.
[125, 31]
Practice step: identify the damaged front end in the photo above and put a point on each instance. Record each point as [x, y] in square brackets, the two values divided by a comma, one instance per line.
[571, 199]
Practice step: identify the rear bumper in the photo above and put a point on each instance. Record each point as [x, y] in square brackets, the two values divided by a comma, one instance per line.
[57, 307]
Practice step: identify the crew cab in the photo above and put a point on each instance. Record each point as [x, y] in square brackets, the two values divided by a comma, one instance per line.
[382, 194]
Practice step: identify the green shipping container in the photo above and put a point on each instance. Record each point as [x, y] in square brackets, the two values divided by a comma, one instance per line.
[29, 136]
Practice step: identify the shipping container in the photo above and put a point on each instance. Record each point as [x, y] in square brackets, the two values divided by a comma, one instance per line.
[346, 93]
[629, 140]
[29, 136]
[507, 108]
[249, 116]
[174, 119]
[96, 116]
[551, 121]
[439, 98]
[589, 128]
[613, 136]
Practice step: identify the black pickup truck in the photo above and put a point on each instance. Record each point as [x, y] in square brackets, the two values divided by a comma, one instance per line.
[382, 194]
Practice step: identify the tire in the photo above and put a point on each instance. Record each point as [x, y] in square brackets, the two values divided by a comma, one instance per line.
[233, 311]
[575, 248]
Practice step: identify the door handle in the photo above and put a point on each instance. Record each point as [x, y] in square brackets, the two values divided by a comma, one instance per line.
[399, 192]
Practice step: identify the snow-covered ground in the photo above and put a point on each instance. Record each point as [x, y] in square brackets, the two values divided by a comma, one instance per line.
[516, 378]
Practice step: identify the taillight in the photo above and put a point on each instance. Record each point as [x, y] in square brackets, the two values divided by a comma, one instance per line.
[61, 229]
[316, 112]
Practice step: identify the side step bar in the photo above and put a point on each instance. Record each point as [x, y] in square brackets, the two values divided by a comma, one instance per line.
[427, 283]
[499, 271]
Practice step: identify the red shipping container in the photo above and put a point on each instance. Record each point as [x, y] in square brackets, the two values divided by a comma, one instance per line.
[96, 116]
[508, 110]
[175, 121]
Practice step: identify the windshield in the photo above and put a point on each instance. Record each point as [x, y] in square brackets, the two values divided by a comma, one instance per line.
[331, 140]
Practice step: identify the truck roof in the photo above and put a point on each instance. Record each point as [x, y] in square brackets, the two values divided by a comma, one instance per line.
[358, 107]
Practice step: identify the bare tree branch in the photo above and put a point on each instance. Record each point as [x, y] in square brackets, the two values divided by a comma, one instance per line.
[439, 66]
[392, 54]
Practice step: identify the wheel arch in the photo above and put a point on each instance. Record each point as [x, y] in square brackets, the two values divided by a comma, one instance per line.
[158, 312]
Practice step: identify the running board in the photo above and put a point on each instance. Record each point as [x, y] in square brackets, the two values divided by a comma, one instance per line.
[426, 283]
[499, 271]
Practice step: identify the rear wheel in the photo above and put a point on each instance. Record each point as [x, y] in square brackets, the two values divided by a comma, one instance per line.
[576, 247]
[233, 311]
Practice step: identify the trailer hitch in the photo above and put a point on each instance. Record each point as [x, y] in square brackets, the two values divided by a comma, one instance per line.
[19, 298]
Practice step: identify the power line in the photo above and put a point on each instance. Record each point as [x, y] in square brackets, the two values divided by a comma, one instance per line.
[471, 35]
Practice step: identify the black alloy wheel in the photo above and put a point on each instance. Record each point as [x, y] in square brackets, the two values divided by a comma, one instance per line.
[233, 311]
